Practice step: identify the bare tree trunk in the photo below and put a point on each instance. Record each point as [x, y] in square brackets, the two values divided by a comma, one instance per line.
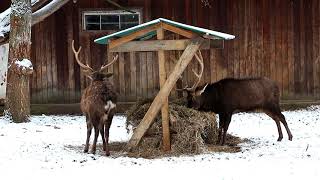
[18, 96]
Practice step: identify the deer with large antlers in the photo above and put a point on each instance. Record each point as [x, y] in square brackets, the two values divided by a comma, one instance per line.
[98, 102]
[230, 95]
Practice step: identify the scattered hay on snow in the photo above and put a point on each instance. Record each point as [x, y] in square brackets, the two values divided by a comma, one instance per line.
[191, 130]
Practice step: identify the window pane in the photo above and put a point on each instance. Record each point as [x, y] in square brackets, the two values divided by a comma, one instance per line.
[129, 18]
[92, 18]
[92, 26]
[109, 26]
[110, 19]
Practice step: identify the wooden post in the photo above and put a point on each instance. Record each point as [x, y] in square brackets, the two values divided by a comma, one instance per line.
[164, 92]
[165, 107]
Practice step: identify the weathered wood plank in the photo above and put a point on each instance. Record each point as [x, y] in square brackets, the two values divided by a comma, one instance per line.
[284, 40]
[143, 73]
[43, 58]
[162, 96]
[236, 42]
[291, 38]
[266, 39]
[272, 42]
[242, 39]
[49, 60]
[316, 47]
[150, 77]
[70, 55]
[259, 25]
[133, 74]
[297, 39]
[309, 40]
[156, 45]
[122, 78]
[303, 80]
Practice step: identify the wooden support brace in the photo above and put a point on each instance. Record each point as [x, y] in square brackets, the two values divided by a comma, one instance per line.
[164, 92]
[166, 45]
[165, 107]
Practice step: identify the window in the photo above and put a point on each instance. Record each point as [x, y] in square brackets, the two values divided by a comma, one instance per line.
[110, 20]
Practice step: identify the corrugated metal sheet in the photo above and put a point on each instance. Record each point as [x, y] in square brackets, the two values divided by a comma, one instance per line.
[198, 30]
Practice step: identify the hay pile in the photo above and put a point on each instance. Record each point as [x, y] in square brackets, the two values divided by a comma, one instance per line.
[191, 130]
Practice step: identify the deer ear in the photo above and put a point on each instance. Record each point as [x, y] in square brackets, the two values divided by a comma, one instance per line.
[200, 91]
[108, 75]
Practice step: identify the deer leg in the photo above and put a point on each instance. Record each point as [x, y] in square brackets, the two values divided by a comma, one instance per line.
[107, 128]
[96, 134]
[101, 128]
[89, 130]
[276, 119]
[284, 122]
[221, 124]
[226, 126]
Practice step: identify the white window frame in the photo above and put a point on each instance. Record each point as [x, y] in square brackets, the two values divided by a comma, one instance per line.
[108, 12]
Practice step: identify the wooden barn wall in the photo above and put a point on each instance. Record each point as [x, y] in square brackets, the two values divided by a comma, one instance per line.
[274, 38]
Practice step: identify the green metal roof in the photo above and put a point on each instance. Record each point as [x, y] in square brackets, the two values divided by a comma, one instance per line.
[198, 30]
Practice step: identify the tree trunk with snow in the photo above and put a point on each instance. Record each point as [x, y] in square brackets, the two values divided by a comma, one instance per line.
[19, 65]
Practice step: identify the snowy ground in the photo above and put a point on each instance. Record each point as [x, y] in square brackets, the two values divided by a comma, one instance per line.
[39, 149]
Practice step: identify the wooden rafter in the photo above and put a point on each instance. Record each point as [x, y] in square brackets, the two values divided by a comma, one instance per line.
[180, 31]
[130, 37]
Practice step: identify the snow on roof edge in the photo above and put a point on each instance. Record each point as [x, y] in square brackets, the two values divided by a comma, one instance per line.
[103, 39]
[206, 31]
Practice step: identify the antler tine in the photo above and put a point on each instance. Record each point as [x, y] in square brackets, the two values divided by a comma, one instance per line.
[110, 63]
[200, 60]
[76, 54]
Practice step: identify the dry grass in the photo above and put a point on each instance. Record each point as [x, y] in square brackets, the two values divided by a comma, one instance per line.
[191, 131]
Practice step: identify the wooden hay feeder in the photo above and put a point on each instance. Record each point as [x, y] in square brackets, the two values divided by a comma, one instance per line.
[136, 39]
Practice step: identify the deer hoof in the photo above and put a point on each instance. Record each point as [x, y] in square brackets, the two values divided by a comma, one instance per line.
[290, 138]
[279, 139]
[107, 153]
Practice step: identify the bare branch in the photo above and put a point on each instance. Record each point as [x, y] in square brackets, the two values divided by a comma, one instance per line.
[39, 4]
[47, 10]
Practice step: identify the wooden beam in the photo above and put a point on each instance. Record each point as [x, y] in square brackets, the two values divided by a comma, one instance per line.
[164, 92]
[177, 30]
[130, 37]
[156, 45]
[165, 107]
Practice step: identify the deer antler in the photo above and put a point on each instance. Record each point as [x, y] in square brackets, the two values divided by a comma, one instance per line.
[200, 60]
[86, 68]
[110, 63]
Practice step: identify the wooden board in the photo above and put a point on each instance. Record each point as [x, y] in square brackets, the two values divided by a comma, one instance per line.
[156, 45]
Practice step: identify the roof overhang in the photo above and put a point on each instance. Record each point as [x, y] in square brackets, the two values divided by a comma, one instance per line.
[206, 33]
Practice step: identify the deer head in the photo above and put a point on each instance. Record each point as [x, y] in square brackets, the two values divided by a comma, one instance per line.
[88, 71]
[194, 92]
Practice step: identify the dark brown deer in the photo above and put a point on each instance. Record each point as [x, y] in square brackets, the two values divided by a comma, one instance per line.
[229, 96]
[98, 102]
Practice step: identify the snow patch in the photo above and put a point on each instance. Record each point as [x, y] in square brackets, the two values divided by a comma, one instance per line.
[24, 63]
[41, 146]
